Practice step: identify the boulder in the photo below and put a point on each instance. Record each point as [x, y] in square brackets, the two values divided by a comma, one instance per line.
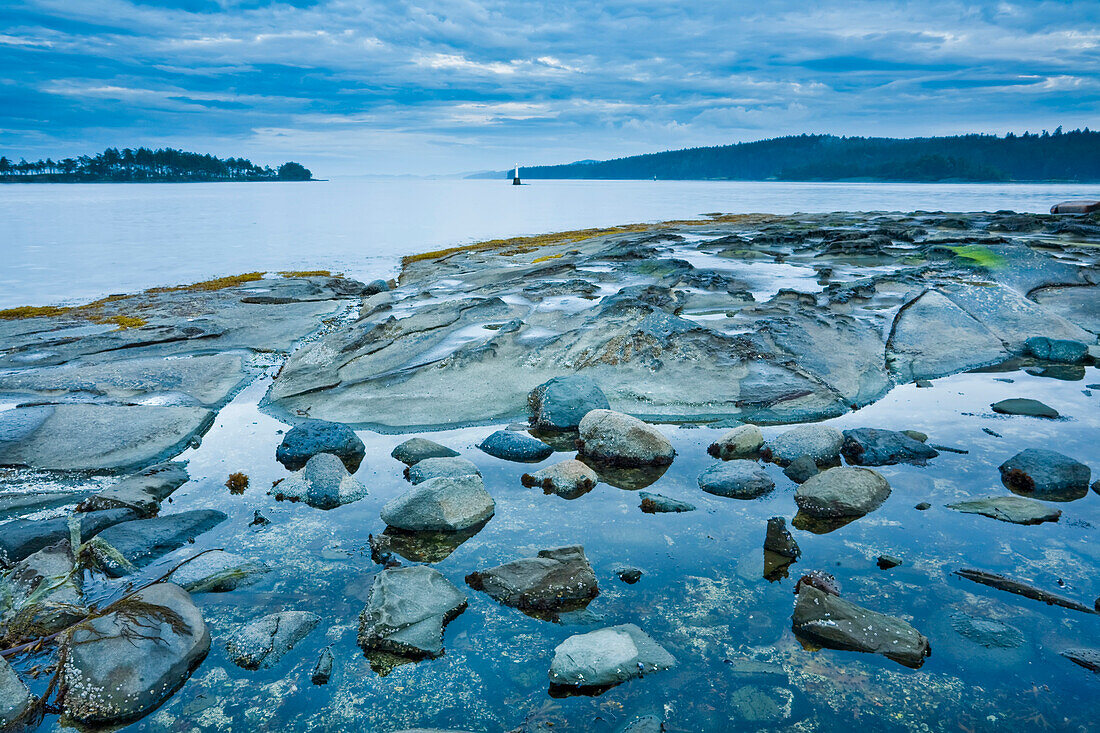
[875, 447]
[568, 479]
[832, 622]
[322, 670]
[414, 450]
[324, 483]
[621, 440]
[555, 580]
[217, 571]
[430, 468]
[407, 610]
[607, 657]
[123, 548]
[658, 504]
[842, 492]
[1064, 351]
[311, 437]
[122, 665]
[562, 402]
[260, 644]
[1014, 509]
[16, 701]
[1045, 474]
[744, 441]
[21, 537]
[143, 492]
[801, 469]
[40, 595]
[737, 479]
[628, 574]
[442, 504]
[513, 446]
[779, 540]
[1075, 207]
[820, 442]
[1024, 406]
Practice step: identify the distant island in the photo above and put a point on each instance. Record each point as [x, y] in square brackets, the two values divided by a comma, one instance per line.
[1058, 156]
[143, 165]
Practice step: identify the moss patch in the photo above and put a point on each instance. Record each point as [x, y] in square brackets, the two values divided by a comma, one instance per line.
[308, 273]
[980, 255]
[32, 311]
[218, 283]
[547, 258]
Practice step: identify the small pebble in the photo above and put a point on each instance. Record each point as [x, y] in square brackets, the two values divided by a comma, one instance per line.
[888, 561]
[630, 576]
[924, 505]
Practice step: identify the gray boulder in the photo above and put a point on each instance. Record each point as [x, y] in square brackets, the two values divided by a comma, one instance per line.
[1045, 474]
[217, 571]
[834, 623]
[842, 492]
[622, 440]
[430, 468]
[143, 492]
[1014, 509]
[444, 504]
[744, 441]
[122, 665]
[40, 595]
[16, 701]
[557, 579]
[1064, 351]
[658, 504]
[514, 446]
[407, 610]
[820, 442]
[21, 537]
[1026, 407]
[875, 447]
[737, 479]
[414, 450]
[562, 402]
[260, 644]
[123, 548]
[801, 469]
[607, 657]
[311, 437]
[568, 479]
[324, 483]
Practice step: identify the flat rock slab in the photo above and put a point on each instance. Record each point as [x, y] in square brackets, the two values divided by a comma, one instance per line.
[836, 623]
[429, 468]
[557, 579]
[842, 492]
[607, 657]
[324, 483]
[143, 492]
[407, 610]
[311, 437]
[659, 504]
[568, 479]
[737, 479]
[819, 442]
[21, 537]
[1046, 474]
[217, 571]
[262, 643]
[123, 665]
[933, 337]
[415, 450]
[1024, 406]
[15, 505]
[123, 548]
[445, 504]
[876, 447]
[1014, 509]
[512, 446]
[16, 701]
[1087, 658]
[70, 437]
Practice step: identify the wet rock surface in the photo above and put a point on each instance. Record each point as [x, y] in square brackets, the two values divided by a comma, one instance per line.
[262, 643]
[447, 467]
[323, 483]
[1014, 509]
[607, 657]
[842, 492]
[658, 504]
[737, 479]
[16, 701]
[515, 446]
[306, 440]
[876, 447]
[1045, 474]
[743, 441]
[1024, 406]
[444, 504]
[415, 450]
[142, 492]
[820, 443]
[23, 537]
[622, 440]
[407, 611]
[557, 579]
[561, 403]
[217, 571]
[1087, 658]
[568, 479]
[122, 548]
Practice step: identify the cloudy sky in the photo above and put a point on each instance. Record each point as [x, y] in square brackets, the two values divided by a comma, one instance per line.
[441, 86]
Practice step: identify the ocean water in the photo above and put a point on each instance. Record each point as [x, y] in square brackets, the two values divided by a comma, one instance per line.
[65, 244]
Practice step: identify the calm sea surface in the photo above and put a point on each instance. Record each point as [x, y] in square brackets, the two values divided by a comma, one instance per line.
[76, 242]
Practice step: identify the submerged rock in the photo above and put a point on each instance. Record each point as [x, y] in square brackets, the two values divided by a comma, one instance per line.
[555, 580]
[875, 447]
[743, 441]
[1087, 658]
[418, 546]
[217, 571]
[622, 440]
[323, 483]
[444, 504]
[407, 611]
[987, 632]
[1019, 587]
[414, 450]
[819, 442]
[1023, 406]
[260, 644]
[607, 657]
[15, 505]
[779, 540]
[311, 437]
[120, 666]
[322, 671]
[560, 403]
[1045, 474]
[658, 504]
[22, 537]
[629, 575]
[1014, 509]
[430, 468]
[801, 469]
[513, 446]
[842, 492]
[737, 479]
[121, 549]
[143, 492]
[16, 701]
[568, 479]
[1065, 351]
[835, 623]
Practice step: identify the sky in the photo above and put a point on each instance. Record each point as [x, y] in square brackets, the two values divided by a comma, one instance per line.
[446, 86]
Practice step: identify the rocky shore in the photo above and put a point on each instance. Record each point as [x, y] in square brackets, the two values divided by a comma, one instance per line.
[557, 367]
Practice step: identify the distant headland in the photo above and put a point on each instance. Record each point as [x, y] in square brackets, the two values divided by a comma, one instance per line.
[142, 165]
[1058, 156]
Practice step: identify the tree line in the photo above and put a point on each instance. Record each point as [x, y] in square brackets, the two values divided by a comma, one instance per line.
[145, 165]
[1057, 156]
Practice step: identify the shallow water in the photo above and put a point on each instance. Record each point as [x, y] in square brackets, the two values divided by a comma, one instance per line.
[77, 242]
[702, 597]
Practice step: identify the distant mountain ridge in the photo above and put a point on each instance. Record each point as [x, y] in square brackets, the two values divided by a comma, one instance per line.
[1059, 156]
